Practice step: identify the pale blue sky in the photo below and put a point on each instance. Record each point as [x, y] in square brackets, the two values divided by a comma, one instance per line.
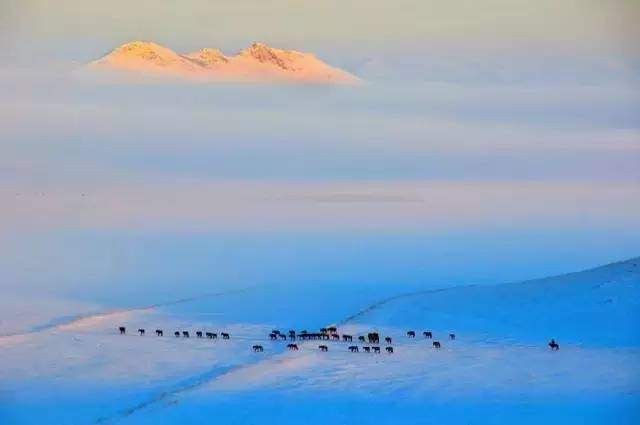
[585, 24]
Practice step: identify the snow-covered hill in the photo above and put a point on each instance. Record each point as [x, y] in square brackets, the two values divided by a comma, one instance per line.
[600, 306]
[257, 63]
[83, 371]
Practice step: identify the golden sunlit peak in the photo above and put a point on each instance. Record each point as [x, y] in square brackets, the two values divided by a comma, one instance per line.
[256, 63]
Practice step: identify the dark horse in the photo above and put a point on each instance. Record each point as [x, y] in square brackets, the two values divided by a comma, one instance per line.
[225, 335]
[159, 332]
[427, 334]
[323, 348]
[452, 336]
[373, 338]
[258, 348]
[293, 347]
[185, 334]
[436, 344]
[273, 336]
[211, 335]
[361, 338]
[122, 330]
[177, 334]
[346, 338]
[199, 334]
[411, 334]
[376, 350]
[141, 331]
[388, 340]
[353, 348]
[367, 349]
[389, 350]
[554, 345]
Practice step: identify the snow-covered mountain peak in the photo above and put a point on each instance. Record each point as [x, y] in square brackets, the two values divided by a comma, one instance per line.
[256, 63]
[278, 57]
[145, 50]
[208, 56]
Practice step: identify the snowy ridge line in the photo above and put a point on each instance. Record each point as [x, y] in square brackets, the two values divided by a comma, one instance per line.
[591, 269]
[385, 301]
[69, 320]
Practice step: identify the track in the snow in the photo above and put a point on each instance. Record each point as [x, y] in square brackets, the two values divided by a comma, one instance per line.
[386, 301]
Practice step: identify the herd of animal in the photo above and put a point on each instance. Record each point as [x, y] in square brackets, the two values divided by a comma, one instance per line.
[325, 334]
[331, 334]
[177, 334]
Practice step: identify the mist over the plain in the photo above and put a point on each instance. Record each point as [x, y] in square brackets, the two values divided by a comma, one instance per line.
[479, 155]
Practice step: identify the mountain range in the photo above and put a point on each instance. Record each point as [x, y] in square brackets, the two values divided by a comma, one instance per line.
[256, 63]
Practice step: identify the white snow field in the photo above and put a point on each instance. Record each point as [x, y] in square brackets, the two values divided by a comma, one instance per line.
[498, 370]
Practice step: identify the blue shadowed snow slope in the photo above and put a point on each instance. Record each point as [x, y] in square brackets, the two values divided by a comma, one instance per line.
[498, 371]
[598, 307]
